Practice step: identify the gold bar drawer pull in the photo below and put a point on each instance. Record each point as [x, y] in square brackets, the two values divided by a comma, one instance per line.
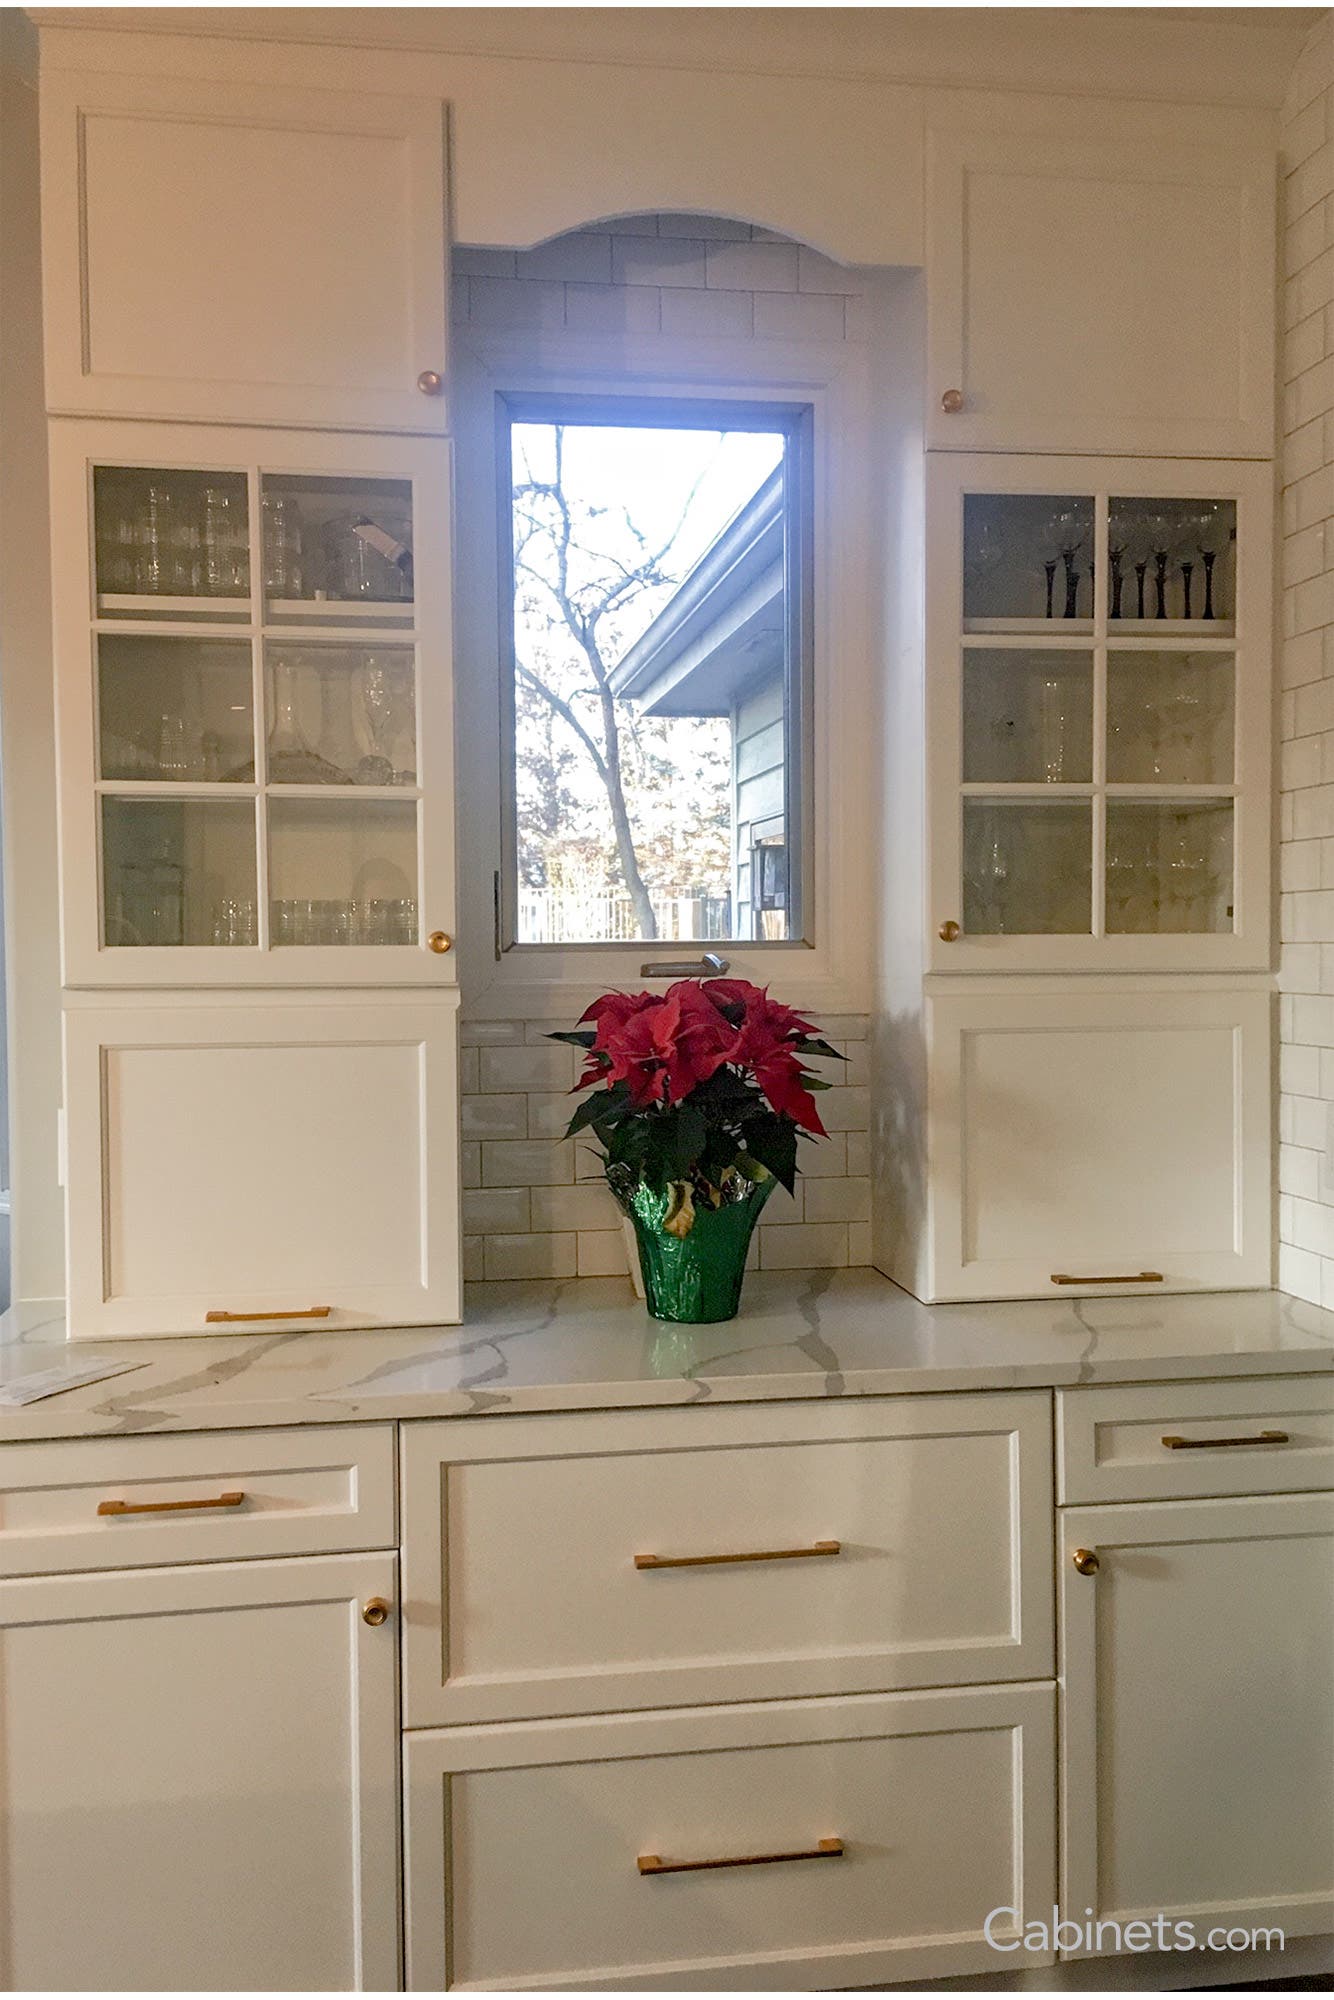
[653, 1864]
[168, 1506]
[219, 1316]
[1214, 1444]
[739, 1556]
[1115, 1278]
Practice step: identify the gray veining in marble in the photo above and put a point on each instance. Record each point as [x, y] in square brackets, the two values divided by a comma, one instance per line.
[585, 1344]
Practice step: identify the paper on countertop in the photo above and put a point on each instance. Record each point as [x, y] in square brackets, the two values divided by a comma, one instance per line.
[65, 1375]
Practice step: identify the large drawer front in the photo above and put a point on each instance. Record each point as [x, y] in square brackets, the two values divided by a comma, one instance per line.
[797, 1550]
[127, 1503]
[1189, 1440]
[524, 1845]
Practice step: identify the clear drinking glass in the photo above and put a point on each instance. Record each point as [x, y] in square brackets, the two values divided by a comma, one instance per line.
[225, 546]
[283, 569]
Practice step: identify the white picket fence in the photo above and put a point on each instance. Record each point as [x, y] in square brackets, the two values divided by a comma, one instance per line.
[564, 916]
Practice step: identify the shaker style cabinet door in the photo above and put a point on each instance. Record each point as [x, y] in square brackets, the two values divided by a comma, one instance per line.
[255, 720]
[278, 1165]
[239, 254]
[1087, 297]
[1094, 1142]
[198, 1783]
[1197, 1731]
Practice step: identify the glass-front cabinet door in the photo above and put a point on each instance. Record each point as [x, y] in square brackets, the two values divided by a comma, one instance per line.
[255, 708]
[1098, 711]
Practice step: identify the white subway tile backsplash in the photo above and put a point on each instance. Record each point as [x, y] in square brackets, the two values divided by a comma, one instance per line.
[804, 1245]
[530, 1256]
[602, 1253]
[515, 302]
[798, 316]
[495, 1211]
[654, 260]
[613, 308]
[707, 315]
[549, 1066]
[838, 1201]
[496, 1116]
[586, 1205]
[581, 257]
[752, 267]
[526, 1163]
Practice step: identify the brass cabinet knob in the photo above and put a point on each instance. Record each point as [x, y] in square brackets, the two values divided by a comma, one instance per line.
[375, 1610]
[1086, 1562]
[439, 941]
[430, 382]
[952, 402]
[949, 931]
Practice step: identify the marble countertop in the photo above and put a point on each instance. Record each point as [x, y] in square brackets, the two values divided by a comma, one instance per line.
[585, 1344]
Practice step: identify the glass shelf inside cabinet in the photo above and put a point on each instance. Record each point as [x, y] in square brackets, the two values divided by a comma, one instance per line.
[174, 710]
[1027, 866]
[171, 543]
[1171, 567]
[178, 871]
[340, 715]
[342, 871]
[1028, 563]
[1170, 717]
[1169, 866]
[1027, 716]
[337, 551]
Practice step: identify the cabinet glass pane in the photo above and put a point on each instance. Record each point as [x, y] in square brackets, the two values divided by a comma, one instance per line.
[336, 543]
[1172, 562]
[1169, 865]
[1170, 718]
[166, 533]
[1027, 717]
[176, 709]
[178, 871]
[341, 715]
[1027, 558]
[1027, 866]
[342, 872]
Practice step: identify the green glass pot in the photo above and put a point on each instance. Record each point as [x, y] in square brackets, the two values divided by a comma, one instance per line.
[695, 1278]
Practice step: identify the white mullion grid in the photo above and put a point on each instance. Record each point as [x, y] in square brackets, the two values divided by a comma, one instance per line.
[420, 804]
[260, 718]
[1098, 913]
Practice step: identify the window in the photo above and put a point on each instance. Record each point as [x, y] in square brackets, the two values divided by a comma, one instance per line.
[656, 616]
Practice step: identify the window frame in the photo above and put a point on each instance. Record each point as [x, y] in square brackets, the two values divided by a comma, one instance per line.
[632, 410]
[831, 971]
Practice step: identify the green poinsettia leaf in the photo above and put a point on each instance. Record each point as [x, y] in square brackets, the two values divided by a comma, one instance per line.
[578, 1038]
[815, 1045]
[771, 1139]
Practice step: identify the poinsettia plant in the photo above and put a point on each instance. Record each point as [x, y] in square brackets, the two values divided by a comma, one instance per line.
[702, 1088]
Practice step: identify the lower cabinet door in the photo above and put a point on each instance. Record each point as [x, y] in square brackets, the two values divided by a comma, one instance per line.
[1086, 1142]
[198, 1779]
[1198, 1716]
[794, 1845]
[287, 1162]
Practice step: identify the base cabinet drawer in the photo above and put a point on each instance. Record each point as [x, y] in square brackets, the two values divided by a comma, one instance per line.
[570, 1565]
[549, 1857]
[1188, 1440]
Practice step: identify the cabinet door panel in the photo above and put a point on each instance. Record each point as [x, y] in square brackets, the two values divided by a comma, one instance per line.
[1198, 1717]
[1086, 1137]
[229, 251]
[1100, 298]
[208, 1756]
[269, 1159]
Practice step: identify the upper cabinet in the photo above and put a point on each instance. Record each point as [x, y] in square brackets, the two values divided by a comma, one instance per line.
[254, 707]
[1099, 298]
[237, 254]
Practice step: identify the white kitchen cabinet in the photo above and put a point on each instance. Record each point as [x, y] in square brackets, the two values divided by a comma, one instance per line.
[1086, 296]
[198, 1779]
[1098, 701]
[291, 1161]
[255, 707]
[555, 1856]
[1095, 1139]
[230, 252]
[1197, 1723]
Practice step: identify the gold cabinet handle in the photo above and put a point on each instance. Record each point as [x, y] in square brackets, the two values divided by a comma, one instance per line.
[375, 1610]
[1215, 1444]
[220, 1315]
[167, 1506]
[1114, 1278]
[653, 1864]
[439, 941]
[950, 932]
[430, 382]
[952, 402]
[1086, 1562]
[738, 1556]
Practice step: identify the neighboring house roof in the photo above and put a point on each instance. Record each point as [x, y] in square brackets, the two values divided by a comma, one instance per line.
[725, 625]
